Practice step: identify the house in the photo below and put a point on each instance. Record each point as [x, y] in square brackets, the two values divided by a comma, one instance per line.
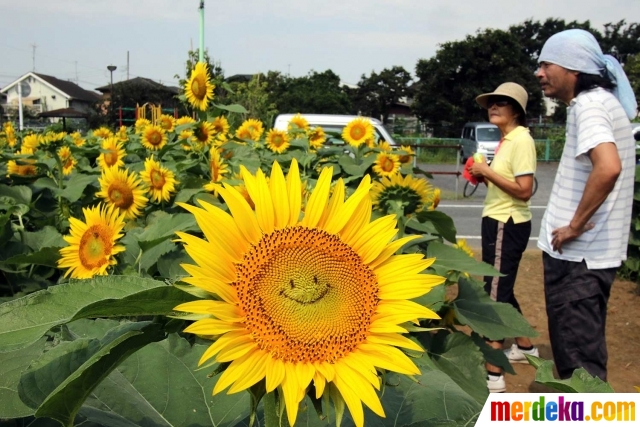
[140, 83]
[41, 92]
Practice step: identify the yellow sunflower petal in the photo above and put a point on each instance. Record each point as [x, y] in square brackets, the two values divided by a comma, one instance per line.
[396, 340]
[294, 188]
[212, 327]
[290, 390]
[390, 249]
[318, 200]
[252, 375]
[278, 187]
[274, 373]
[242, 213]
[389, 358]
[319, 383]
[347, 209]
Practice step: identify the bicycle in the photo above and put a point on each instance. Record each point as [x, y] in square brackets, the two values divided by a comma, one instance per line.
[470, 188]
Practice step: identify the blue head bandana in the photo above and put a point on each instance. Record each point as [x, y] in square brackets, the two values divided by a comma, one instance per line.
[578, 50]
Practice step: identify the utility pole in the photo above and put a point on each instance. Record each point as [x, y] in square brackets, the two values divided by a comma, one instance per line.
[34, 57]
[77, 79]
[201, 8]
[127, 65]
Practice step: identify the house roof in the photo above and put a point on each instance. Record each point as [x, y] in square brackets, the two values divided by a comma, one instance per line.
[64, 112]
[73, 90]
[143, 81]
[66, 88]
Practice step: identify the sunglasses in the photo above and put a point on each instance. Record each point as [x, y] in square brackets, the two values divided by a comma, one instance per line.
[498, 102]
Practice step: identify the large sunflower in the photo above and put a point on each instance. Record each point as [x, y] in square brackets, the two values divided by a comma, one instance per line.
[67, 160]
[203, 133]
[464, 247]
[220, 128]
[277, 141]
[166, 122]
[386, 164]
[320, 297]
[199, 90]
[218, 169]
[102, 132]
[408, 157]
[298, 123]
[92, 243]
[357, 132]
[250, 129]
[317, 137]
[154, 137]
[123, 190]
[77, 138]
[160, 180]
[184, 120]
[122, 134]
[113, 153]
[26, 166]
[141, 125]
[31, 142]
[411, 193]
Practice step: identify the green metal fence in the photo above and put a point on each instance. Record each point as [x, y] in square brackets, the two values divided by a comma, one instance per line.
[547, 150]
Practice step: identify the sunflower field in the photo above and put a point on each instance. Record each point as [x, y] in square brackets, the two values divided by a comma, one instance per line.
[183, 273]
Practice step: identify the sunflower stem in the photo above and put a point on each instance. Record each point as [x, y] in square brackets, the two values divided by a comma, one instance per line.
[60, 185]
[271, 418]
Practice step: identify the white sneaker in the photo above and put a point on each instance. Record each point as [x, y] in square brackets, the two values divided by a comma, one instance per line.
[516, 355]
[496, 384]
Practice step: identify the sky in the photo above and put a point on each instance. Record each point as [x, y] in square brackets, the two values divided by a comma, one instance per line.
[76, 39]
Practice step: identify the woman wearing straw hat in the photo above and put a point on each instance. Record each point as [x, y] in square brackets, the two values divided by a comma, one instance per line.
[506, 218]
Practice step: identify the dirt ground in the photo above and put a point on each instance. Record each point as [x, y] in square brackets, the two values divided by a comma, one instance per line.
[623, 329]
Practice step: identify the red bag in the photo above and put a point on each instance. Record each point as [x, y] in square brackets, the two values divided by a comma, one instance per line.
[467, 175]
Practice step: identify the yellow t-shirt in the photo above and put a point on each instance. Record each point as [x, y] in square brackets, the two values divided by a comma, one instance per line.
[516, 157]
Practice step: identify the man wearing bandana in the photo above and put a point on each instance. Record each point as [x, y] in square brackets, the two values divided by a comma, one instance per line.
[585, 229]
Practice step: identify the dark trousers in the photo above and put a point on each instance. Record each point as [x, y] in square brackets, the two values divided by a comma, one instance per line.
[576, 300]
[502, 246]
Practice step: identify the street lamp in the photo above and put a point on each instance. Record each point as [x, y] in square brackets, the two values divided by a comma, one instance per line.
[111, 69]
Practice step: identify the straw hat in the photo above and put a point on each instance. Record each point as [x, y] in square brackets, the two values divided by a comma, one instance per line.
[509, 89]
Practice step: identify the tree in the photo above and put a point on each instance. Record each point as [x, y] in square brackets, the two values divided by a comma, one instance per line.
[621, 40]
[632, 68]
[533, 34]
[461, 70]
[377, 93]
[315, 93]
[253, 96]
[215, 71]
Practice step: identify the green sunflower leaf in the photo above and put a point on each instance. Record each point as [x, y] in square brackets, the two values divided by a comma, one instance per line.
[19, 193]
[580, 382]
[45, 256]
[12, 364]
[456, 355]
[76, 185]
[59, 381]
[232, 108]
[24, 320]
[442, 222]
[455, 259]
[493, 320]
[159, 385]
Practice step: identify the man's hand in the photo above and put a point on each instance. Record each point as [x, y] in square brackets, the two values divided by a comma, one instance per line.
[566, 234]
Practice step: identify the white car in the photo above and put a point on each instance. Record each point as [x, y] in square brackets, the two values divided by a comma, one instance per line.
[334, 124]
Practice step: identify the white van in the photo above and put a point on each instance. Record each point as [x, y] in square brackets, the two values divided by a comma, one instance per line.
[333, 124]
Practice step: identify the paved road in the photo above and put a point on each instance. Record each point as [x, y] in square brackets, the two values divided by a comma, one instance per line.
[467, 212]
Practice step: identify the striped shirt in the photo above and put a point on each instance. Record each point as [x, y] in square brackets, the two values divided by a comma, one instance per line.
[593, 117]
